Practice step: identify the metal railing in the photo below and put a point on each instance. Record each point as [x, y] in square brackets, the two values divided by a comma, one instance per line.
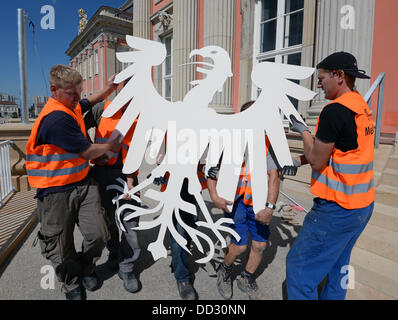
[378, 83]
[5, 170]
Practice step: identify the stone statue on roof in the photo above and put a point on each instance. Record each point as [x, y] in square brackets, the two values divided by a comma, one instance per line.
[83, 20]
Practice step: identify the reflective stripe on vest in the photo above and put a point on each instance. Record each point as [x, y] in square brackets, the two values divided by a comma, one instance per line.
[348, 179]
[51, 157]
[351, 168]
[49, 165]
[57, 172]
[341, 187]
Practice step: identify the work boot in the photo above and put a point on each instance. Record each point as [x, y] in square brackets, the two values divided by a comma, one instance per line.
[186, 291]
[249, 286]
[224, 282]
[130, 282]
[91, 282]
[76, 294]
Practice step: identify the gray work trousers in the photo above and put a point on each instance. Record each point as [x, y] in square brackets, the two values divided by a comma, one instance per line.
[128, 247]
[58, 214]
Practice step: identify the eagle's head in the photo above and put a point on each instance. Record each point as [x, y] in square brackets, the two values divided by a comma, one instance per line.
[218, 67]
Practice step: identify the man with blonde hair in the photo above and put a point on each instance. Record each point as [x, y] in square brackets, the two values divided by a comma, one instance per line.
[57, 155]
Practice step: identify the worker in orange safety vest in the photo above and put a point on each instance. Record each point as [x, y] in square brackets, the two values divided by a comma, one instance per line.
[57, 164]
[107, 169]
[341, 158]
[246, 222]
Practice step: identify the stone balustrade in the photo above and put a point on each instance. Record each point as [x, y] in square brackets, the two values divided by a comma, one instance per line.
[19, 133]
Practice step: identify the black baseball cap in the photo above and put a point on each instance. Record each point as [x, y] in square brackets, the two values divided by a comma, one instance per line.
[342, 61]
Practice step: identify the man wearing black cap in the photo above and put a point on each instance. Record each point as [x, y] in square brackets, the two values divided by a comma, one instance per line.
[341, 158]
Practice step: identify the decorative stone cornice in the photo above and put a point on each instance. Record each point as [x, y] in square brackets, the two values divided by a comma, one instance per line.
[111, 41]
[106, 18]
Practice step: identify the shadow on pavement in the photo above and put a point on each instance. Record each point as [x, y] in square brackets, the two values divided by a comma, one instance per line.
[144, 261]
[282, 235]
[277, 228]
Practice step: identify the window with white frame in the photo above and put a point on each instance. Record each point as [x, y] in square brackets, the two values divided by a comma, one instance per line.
[90, 66]
[84, 69]
[121, 65]
[96, 61]
[279, 32]
[167, 75]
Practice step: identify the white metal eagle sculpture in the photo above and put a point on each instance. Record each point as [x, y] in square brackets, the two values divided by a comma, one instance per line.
[194, 130]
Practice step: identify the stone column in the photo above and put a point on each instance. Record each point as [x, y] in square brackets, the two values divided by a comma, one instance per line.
[141, 19]
[333, 36]
[219, 29]
[102, 61]
[185, 39]
[91, 67]
[111, 42]
[246, 51]
[85, 70]
[307, 53]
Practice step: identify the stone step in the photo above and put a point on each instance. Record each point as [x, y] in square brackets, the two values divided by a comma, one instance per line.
[387, 138]
[305, 200]
[385, 217]
[376, 272]
[377, 177]
[296, 145]
[392, 162]
[381, 157]
[384, 188]
[390, 178]
[299, 192]
[303, 175]
[380, 241]
[395, 152]
[364, 292]
[386, 198]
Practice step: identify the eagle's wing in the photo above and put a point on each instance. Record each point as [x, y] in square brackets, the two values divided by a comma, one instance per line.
[144, 101]
[262, 116]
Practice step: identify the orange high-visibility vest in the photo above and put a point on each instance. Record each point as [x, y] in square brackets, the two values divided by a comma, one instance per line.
[48, 165]
[105, 129]
[348, 177]
[244, 184]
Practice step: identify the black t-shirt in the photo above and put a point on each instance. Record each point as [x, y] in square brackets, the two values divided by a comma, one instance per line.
[337, 124]
[60, 129]
[93, 117]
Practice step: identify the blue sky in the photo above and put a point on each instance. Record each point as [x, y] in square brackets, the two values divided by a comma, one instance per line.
[51, 44]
